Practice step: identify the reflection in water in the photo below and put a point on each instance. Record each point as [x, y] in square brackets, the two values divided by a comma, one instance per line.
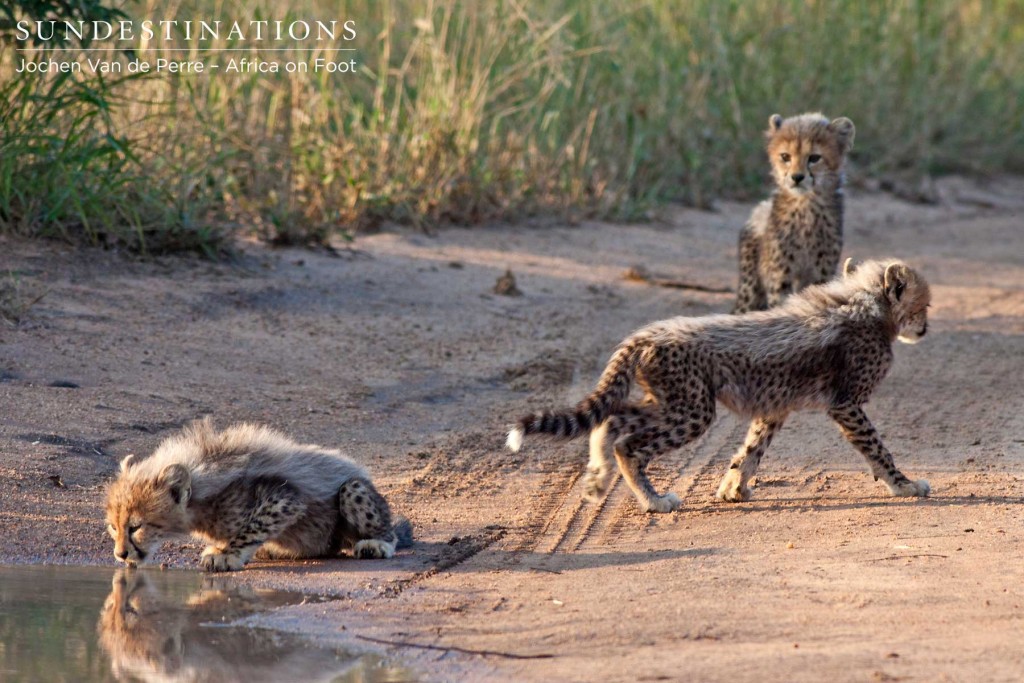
[156, 626]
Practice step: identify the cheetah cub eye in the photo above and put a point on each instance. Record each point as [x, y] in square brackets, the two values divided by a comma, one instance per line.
[785, 157]
[814, 158]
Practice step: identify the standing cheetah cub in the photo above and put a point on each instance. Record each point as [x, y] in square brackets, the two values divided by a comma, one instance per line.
[244, 489]
[794, 239]
[826, 347]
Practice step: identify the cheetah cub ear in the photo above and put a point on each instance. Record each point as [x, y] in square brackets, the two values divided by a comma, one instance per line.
[127, 462]
[178, 482]
[844, 131]
[894, 281]
[774, 124]
[848, 267]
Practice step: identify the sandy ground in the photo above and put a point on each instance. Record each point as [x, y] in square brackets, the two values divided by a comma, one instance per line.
[400, 353]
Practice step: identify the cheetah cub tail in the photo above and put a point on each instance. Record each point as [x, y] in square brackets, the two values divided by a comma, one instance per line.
[515, 439]
[611, 391]
[402, 529]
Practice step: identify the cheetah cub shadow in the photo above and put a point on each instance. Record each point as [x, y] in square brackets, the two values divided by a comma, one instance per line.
[249, 490]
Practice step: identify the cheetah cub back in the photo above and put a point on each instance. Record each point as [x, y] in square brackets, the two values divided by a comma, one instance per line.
[794, 238]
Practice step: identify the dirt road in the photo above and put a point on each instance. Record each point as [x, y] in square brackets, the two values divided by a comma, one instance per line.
[400, 353]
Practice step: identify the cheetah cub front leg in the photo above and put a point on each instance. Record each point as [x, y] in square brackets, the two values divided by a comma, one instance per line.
[750, 294]
[859, 431]
[218, 560]
[734, 487]
[276, 508]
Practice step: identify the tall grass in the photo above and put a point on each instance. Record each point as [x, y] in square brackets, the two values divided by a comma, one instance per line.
[68, 171]
[468, 112]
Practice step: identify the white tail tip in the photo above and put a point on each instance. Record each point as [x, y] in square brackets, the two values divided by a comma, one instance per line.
[515, 439]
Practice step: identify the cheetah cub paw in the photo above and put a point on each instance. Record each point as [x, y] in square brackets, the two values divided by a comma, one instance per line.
[373, 549]
[595, 484]
[667, 503]
[732, 489]
[908, 488]
[216, 560]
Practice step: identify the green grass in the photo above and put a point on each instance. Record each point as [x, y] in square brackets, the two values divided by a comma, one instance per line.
[469, 112]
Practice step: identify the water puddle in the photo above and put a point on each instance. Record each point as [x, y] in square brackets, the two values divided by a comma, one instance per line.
[95, 624]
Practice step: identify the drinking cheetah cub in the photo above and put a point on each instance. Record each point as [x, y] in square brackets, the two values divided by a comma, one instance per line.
[826, 347]
[244, 489]
[794, 239]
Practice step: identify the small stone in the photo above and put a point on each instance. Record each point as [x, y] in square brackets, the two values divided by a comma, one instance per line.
[637, 273]
[506, 285]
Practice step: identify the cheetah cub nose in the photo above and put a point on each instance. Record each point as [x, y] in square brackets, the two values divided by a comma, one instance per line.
[797, 177]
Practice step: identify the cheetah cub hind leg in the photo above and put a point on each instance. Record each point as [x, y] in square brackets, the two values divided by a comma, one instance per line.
[373, 549]
[367, 515]
[399, 536]
[599, 469]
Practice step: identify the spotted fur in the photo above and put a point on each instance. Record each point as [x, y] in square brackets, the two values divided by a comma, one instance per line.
[794, 239]
[248, 489]
[825, 348]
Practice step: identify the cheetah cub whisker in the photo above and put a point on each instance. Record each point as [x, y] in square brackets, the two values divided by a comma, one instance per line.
[794, 238]
[824, 348]
[249, 489]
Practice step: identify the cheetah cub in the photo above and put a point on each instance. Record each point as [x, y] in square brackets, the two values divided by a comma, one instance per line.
[244, 489]
[794, 239]
[825, 348]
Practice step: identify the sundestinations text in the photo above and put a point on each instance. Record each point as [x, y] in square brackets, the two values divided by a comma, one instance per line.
[187, 30]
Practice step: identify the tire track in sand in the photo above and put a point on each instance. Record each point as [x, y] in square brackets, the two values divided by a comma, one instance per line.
[694, 464]
[569, 522]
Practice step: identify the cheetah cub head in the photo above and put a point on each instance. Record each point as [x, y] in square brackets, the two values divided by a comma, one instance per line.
[807, 152]
[909, 297]
[146, 508]
[904, 291]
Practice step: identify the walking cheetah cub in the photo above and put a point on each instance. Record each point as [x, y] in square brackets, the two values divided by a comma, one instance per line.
[794, 239]
[826, 347]
[244, 489]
